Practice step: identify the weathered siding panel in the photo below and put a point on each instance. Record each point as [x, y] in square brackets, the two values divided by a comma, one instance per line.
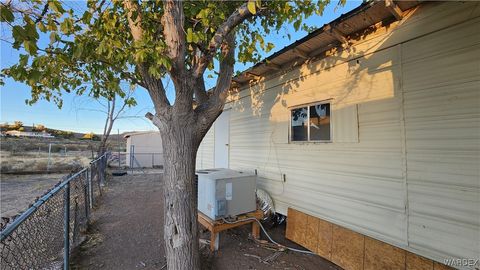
[442, 123]
[358, 183]
[205, 151]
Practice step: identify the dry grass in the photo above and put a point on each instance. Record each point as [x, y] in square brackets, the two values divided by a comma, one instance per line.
[31, 162]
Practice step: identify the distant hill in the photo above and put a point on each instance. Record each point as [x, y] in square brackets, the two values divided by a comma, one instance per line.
[59, 133]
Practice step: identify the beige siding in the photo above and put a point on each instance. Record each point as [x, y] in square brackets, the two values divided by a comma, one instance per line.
[403, 166]
[205, 151]
[442, 123]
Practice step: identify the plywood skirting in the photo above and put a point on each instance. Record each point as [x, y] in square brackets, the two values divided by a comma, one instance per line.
[351, 250]
[417, 262]
[325, 234]
[380, 255]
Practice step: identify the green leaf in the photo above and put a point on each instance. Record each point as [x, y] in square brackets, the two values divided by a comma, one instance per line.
[296, 24]
[53, 37]
[42, 27]
[6, 14]
[30, 47]
[66, 26]
[34, 77]
[31, 31]
[189, 35]
[56, 6]
[18, 34]
[87, 16]
[23, 60]
[77, 51]
[252, 7]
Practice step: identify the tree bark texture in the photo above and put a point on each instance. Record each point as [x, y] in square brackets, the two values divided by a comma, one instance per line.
[180, 145]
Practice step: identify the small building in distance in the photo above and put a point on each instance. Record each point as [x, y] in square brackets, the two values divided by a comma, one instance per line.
[144, 149]
[16, 133]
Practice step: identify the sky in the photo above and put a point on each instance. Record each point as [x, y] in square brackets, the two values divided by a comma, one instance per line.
[84, 114]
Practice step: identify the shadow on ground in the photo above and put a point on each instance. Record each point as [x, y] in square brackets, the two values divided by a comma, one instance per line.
[126, 233]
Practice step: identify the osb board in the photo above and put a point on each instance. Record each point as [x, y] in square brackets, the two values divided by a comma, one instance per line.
[311, 233]
[347, 248]
[417, 262]
[380, 255]
[351, 250]
[324, 246]
[291, 214]
[296, 226]
[439, 266]
[301, 228]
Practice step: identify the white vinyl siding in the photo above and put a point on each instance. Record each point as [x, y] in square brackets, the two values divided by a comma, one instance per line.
[205, 153]
[403, 166]
[441, 86]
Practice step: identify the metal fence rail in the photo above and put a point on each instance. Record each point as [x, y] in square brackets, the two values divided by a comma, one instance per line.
[43, 236]
[136, 160]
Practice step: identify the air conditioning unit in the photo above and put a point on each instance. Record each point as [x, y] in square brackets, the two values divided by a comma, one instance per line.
[225, 192]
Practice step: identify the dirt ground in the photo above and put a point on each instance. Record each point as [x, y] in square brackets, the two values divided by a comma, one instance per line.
[19, 191]
[126, 233]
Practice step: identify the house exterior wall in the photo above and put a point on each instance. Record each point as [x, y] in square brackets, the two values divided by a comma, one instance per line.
[205, 153]
[148, 149]
[403, 166]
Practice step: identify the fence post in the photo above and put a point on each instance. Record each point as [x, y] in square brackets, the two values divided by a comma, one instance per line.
[104, 168]
[86, 197]
[98, 173]
[90, 187]
[66, 227]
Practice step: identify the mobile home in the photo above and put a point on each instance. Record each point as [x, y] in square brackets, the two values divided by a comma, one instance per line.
[366, 133]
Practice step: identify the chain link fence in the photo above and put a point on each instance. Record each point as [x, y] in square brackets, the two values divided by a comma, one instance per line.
[43, 236]
[135, 160]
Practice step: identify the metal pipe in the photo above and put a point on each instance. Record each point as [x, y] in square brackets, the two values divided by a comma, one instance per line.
[66, 227]
[49, 154]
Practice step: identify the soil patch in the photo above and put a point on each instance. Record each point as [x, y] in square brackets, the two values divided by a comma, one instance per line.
[127, 233]
[19, 191]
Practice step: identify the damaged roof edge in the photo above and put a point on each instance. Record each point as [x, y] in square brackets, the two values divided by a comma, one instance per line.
[363, 8]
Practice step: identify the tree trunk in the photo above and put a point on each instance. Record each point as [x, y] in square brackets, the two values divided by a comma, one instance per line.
[180, 206]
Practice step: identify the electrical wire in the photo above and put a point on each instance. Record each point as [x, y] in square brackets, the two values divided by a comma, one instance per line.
[268, 236]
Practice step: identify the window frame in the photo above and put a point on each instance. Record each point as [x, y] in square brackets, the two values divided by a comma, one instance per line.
[290, 133]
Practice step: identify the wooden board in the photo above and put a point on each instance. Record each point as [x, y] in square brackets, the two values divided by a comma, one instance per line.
[347, 248]
[311, 233]
[325, 234]
[380, 255]
[439, 266]
[351, 250]
[291, 213]
[417, 262]
[301, 228]
[217, 226]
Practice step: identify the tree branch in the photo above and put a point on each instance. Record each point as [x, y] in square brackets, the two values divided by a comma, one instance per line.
[210, 110]
[199, 90]
[173, 20]
[236, 18]
[154, 86]
[44, 11]
[226, 67]
[135, 24]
